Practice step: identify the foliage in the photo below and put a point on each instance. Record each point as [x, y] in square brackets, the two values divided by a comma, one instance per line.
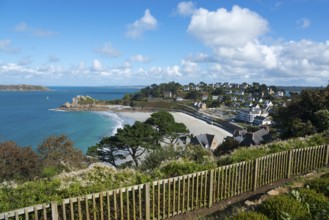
[249, 216]
[108, 151]
[156, 157]
[227, 146]
[306, 114]
[17, 162]
[320, 185]
[127, 146]
[157, 91]
[198, 154]
[251, 153]
[94, 179]
[29, 193]
[58, 151]
[284, 207]
[167, 128]
[194, 95]
[317, 203]
[322, 119]
[180, 167]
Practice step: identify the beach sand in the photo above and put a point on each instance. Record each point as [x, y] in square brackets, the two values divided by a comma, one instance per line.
[195, 125]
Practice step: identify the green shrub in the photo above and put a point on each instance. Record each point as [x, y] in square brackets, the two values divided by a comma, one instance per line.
[181, 167]
[319, 185]
[318, 204]
[284, 207]
[48, 172]
[250, 216]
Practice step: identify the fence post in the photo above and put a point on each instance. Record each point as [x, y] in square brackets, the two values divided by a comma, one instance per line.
[327, 155]
[54, 211]
[211, 188]
[255, 174]
[147, 201]
[289, 163]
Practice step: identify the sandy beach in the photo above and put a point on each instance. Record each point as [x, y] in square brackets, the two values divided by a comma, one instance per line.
[195, 125]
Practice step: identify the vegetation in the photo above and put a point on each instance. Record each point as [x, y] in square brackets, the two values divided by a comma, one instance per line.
[157, 91]
[18, 162]
[54, 155]
[59, 152]
[284, 207]
[129, 144]
[306, 114]
[250, 216]
[22, 88]
[251, 153]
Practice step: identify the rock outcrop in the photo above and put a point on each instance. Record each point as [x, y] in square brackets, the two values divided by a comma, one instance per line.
[83, 103]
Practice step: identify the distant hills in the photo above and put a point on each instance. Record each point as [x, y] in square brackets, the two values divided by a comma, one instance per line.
[23, 87]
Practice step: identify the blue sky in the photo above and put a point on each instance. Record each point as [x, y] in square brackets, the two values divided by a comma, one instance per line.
[141, 42]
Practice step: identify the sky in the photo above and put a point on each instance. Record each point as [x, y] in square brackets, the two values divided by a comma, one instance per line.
[141, 42]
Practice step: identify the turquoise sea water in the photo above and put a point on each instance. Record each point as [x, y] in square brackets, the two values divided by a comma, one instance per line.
[27, 118]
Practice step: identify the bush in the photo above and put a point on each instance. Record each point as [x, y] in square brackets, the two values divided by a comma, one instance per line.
[284, 207]
[59, 151]
[317, 203]
[320, 185]
[156, 157]
[18, 162]
[250, 216]
[181, 167]
[51, 171]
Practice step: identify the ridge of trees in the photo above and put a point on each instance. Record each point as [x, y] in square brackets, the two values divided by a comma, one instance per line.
[306, 114]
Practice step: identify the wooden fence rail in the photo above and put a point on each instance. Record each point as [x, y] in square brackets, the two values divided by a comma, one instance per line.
[165, 198]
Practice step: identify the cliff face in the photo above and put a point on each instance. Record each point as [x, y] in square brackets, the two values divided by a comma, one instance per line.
[83, 103]
[22, 88]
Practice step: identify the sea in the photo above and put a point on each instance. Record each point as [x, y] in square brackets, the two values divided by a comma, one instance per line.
[28, 118]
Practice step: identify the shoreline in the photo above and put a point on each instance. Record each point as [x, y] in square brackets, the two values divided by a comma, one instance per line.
[195, 126]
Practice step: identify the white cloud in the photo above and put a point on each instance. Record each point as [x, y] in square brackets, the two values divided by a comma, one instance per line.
[108, 51]
[38, 32]
[227, 28]
[185, 8]
[145, 23]
[6, 47]
[189, 67]
[97, 65]
[139, 58]
[304, 22]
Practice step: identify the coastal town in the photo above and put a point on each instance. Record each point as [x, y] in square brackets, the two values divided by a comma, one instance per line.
[242, 111]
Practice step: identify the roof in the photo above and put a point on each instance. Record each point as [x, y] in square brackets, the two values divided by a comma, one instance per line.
[204, 140]
[258, 137]
[238, 132]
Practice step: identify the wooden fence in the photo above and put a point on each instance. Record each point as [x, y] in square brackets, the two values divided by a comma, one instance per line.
[170, 197]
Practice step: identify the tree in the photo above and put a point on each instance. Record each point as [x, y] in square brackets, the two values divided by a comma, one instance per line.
[127, 146]
[167, 128]
[58, 151]
[135, 140]
[322, 119]
[107, 150]
[228, 145]
[17, 162]
[305, 114]
[194, 95]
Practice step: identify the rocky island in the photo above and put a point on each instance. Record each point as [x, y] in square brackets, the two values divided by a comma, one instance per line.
[84, 103]
[22, 88]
